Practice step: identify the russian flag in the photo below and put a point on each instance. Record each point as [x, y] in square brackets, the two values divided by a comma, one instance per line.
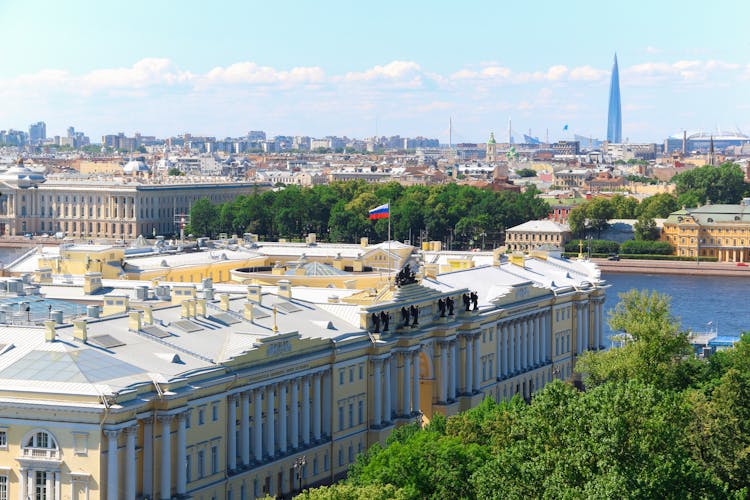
[381, 212]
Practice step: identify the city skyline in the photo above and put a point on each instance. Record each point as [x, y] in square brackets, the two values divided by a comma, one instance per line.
[338, 69]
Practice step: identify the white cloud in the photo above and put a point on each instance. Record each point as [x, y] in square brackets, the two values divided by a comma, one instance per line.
[394, 70]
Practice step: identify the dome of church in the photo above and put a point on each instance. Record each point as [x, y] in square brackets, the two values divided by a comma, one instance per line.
[135, 167]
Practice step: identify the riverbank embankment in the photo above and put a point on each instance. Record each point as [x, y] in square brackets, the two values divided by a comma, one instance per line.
[690, 268]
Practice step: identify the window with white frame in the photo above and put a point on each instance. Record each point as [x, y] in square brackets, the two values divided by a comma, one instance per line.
[3, 487]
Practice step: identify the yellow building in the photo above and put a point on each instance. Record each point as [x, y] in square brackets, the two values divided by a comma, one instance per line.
[537, 233]
[231, 391]
[104, 207]
[721, 231]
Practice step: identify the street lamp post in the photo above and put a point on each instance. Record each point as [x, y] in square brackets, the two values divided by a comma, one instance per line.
[299, 463]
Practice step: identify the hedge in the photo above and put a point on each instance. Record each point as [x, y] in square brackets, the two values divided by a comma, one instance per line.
[597, 246]
[646, 247]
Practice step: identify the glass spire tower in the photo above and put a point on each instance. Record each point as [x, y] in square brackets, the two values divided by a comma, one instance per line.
[614, 116]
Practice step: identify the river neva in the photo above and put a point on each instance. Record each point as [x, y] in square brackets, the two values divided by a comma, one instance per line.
[696, 300]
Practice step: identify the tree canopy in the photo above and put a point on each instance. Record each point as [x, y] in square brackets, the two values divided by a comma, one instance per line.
[722, 184]
[462, 216]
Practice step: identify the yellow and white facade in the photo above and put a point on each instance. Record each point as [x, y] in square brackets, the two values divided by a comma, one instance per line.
[234, 391]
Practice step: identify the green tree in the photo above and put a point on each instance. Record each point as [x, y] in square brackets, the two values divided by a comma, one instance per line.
[658, 206]
[623, 207]
[645, 229]
[654, 348]
[203, 218]
[577, 221]
[722, 184]
[526, 172]
[347, 491]
[174, 171]
[598, 212]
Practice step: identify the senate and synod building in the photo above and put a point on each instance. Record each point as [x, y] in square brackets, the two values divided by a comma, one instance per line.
[235, 391]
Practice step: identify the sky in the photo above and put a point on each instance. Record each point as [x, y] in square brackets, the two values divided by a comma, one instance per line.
[357, 69]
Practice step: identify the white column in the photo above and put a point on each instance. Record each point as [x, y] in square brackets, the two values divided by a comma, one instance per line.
[165, 490]
[258, 425]
[393, 362]
[468, 370]
[477, 356]
[415, 399]
[388, 403]
[599, 306]
[550, 333]
[58, 486]
[49, 487]
[130, 464]
[112, 467]
[306, 410]
[148, 457]
[528, 332]
[23, 487]
[505, 348]
[245, 428]
[406, 383]
[181, 460]
[316, 406]
[586, 327]
[270, 427]
[512, 349]
[327, 403]
[232, 432]
[295, 414]
[282, 418]
[443, 372]
[453, 386]
[377, 389]
[537, 340]
[498, 353]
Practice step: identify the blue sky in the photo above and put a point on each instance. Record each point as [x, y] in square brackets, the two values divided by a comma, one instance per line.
[354, 68]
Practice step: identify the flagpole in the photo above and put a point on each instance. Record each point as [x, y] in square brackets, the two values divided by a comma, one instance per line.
[389, 243]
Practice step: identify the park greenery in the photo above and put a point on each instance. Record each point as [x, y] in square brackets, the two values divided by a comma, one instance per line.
[724, 184]
[463, 216]
[654, 421]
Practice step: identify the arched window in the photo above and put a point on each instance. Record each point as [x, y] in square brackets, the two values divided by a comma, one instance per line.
[41, 439]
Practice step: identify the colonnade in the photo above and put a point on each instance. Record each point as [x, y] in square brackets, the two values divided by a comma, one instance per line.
[281, 422]
[523, 343]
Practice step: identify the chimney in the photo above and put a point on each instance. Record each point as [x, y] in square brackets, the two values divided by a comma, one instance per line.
[285, 289]
[92, 283]
[134, 321]
[185, 312]
[200, 307]
[49, 331]
[255, 294]
[148, 315]
[80, 330]
[224, 301]
[249, 311]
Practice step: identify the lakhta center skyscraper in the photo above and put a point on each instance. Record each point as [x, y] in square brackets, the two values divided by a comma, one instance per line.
[614, 116]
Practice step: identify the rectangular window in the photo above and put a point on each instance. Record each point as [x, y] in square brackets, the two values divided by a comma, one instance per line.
[3, 439]
[341, 377]
[361, 411]
[201, 416]
[351, 415]
[341, 418]
[351, 374]
[40, 485]
[215, 412]
[3, 487]
[361, 372]
[214, 460]
[188, 419]
[189, 467]
[201, 464]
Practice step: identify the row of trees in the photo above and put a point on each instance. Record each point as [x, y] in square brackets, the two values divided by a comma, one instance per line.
[591, 217]
[463, 216]
[654, 422]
